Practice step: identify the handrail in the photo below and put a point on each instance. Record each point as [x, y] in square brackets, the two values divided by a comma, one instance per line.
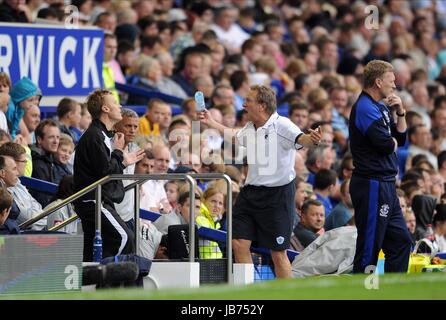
[71, 219]
[210, 176]
[143, 177]
[164, 176]
[71, 198]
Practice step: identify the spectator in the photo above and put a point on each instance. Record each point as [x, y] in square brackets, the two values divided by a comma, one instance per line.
[85, 120]
[5, 208]
[111, 73]
[171, 188]
[62, 157]
[240, 84]
[47, 136]
[146, 164]
[299, 198]
[14, 11]
[342, 213]
[9, 177]
[439, 225]
[157, 116]
[23, 94]
[179, 135]
[228, 32]
[211, 211]
[420, 141]
[298, 114]
[346, 168]
[423, 207]
[222, 94]
[64, 190]
[312, 222]
[411, 224]
[153, 195]
[31, 119]
[128, 126]
[69, 114]
[205, 84]
[180, 215]
[318, 158]
[125, 56]
[167, 64]
[192, 69]
[106, 21]
[25, 206]
[324, 186]
[5, 100]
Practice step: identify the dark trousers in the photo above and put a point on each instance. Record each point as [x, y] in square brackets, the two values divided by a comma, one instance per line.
[117, 238]
[380, 225]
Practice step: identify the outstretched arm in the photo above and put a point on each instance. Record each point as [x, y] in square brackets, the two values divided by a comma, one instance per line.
[206, 118]
[311, 139]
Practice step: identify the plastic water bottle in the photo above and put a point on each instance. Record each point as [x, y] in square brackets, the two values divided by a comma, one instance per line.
[199, 101]
[429, 234]
[97, 247]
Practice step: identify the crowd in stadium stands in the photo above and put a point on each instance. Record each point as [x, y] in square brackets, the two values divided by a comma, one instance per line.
[312, 54]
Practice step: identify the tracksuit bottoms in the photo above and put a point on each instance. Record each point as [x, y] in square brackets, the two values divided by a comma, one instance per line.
[380, 225]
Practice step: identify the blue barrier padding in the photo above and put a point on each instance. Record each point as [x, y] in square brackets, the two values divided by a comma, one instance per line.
[37, 184]
[206, 233]
[148, 94]
[148, 215]
[441, 255]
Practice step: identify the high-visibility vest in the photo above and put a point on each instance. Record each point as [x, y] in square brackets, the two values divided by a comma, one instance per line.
[109, 80]
[208, 249]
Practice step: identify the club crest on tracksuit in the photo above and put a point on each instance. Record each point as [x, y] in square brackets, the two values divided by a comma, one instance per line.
[280, 240]
[384, 211]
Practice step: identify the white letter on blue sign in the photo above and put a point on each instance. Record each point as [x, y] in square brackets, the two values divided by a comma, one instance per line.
[89, 63]
[68, 78]
[29, 57]
[51, 61]
[5, 61]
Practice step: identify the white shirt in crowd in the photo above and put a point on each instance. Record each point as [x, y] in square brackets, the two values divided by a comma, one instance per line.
[126, 209]
[271, 154]
[152, 192]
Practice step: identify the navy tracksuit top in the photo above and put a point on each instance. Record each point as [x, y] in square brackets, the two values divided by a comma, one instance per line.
[371, 129]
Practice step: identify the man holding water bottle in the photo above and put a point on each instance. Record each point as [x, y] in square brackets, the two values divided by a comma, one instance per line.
[264, 209]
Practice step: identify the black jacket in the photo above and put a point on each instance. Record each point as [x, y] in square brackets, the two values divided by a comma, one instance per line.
[94, 160]
[60, 171]
[43, 169]
[8, 14]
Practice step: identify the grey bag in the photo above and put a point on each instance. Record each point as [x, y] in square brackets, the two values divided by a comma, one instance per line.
[331, 253]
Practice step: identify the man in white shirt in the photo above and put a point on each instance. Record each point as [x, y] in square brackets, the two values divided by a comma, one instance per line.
[264, 208]
[129, 127]
[153, 195]
[228, 32]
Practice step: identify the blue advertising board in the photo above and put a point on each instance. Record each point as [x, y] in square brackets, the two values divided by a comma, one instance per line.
[63, 62]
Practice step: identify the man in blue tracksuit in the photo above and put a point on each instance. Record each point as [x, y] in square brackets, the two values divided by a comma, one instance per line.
[376, 131]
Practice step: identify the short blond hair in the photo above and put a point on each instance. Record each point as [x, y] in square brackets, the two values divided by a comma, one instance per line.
[375, 69]
[95, 101]
[66, 140]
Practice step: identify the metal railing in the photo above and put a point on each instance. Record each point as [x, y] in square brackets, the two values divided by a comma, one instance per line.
[141, 178]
